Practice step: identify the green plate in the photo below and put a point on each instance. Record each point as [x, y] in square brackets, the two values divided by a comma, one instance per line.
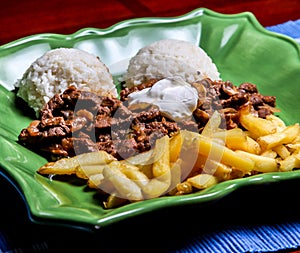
[241, 48]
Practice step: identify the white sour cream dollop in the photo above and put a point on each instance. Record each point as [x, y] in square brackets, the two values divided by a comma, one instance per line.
[173, 96]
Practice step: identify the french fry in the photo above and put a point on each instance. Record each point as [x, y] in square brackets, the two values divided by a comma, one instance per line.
[279, 123]
[282, 151]
[256, 125]
[161, 170]
[101, 184]
[114, 201]
[184, 188]
[232, 136]
[269, 153]
[142, 159]
[291, 162]
[237, 139]
[175, 147]
[297, 139]
[86, 171]
[251, 146]
[212, 125]
[96, 157]
[147, 170]
[94, 181]
[219, 170]
[161, 165]
[261, 163]
[285, 136]
[64, 168]
[175, 170]
[155, 188]
[209, 148]
[202, 181]
[125, 187]
[189, 153]
[67, 166]
[293, 146]
[200, 163]
[133, 173]
[202, 160]
[297, 154]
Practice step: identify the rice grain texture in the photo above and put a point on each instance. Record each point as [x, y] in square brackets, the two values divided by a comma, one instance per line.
[59, 68]
[169, 58]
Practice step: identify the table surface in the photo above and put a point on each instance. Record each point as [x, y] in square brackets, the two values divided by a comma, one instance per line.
[20, 18]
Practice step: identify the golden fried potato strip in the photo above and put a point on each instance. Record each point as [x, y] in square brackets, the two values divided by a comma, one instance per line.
[285, 136]
[189, 161]
[68, 166]
[255, 125]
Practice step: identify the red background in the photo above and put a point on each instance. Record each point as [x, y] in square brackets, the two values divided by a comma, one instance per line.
[19, 18]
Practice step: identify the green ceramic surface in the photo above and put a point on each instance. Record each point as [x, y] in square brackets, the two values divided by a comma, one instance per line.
[241, 48]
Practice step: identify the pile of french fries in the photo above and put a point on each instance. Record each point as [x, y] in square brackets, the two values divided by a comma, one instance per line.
[189, 161]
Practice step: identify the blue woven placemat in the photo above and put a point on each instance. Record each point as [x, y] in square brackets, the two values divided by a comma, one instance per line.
[289, 28]
[263, 238]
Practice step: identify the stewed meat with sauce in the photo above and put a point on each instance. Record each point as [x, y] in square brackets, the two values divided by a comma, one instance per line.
[78, 121]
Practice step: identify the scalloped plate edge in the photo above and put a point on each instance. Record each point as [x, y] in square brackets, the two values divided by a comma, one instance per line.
[146, 20]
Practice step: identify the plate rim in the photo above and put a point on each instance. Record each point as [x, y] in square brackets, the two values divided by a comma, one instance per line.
[148, 20]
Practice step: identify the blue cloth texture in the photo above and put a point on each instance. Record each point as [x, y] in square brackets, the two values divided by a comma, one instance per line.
[264, 238]
[289, 28]
[266, 235]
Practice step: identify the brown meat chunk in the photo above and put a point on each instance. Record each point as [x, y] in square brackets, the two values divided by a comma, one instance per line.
[77, 121]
